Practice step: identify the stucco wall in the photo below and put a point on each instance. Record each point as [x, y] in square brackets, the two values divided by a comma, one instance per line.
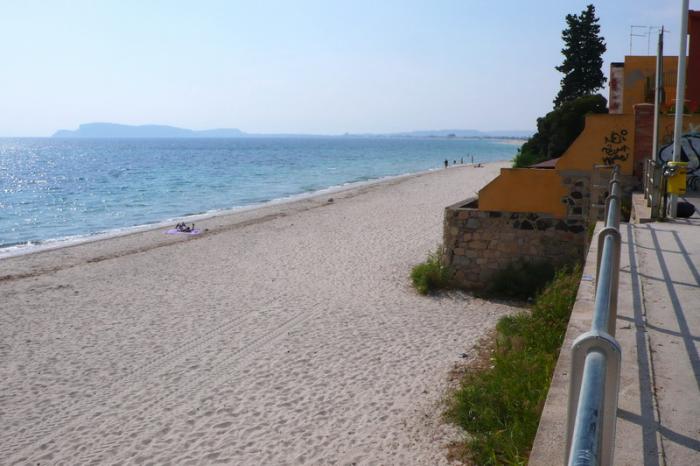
[638, 71]
[666, 124]
[605, 139]
[525, 190]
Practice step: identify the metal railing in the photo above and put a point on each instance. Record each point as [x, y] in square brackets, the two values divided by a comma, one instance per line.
[596, 355]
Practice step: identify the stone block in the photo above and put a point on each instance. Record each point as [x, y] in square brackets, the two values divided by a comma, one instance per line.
[473, 224]
[478, 245]
[460, 261]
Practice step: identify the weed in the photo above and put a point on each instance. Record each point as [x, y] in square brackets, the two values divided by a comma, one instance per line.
[520, 280]
[500, 406]
[590, 229]
[432, 275]
[626, 208]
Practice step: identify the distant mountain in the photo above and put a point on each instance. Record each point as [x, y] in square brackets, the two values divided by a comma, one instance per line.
[455, 133]
[520, 134]
[443, 133]
[113, 130]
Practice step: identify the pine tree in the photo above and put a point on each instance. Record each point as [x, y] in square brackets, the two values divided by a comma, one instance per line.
[583, 57]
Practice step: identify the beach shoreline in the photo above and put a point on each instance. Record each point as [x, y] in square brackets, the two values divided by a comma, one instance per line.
[285, 334]
[59, 243]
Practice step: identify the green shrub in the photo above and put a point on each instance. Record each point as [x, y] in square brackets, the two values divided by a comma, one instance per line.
[521, 280]
[525, 158]
[559, 128]
[431, 275]
[500, 406]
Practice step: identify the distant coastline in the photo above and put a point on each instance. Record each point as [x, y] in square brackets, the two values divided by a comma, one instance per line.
[513, 141]
[115, 130]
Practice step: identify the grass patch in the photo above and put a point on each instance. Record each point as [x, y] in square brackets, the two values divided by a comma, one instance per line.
[626, 208]
[432, 275]
[521, 280]
[590, 229]
[500, 405]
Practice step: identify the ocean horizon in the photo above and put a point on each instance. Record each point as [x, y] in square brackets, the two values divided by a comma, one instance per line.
[55, 191]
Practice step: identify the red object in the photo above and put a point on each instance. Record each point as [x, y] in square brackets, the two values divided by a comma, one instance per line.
[692, 77]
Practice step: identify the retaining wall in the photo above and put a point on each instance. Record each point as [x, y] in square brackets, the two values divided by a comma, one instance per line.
[479, 243]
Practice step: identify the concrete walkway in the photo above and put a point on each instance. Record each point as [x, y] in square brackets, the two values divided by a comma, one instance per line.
[668, 264]
[658, 327]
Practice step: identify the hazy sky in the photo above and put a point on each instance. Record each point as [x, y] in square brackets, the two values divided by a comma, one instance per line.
[296, 66]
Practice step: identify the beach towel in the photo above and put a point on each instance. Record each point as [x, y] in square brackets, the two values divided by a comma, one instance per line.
[174, 231]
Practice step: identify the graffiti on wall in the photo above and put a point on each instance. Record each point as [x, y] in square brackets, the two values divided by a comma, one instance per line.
[666, 135]
[690, 151]
[615, 147]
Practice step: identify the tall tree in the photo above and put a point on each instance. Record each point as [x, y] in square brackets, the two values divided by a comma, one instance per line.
[583, 57]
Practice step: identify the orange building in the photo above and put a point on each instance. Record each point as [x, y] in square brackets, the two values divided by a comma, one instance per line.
[541, 212]
[622, 137]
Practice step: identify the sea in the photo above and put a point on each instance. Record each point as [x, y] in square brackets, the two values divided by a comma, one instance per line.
[55, 191]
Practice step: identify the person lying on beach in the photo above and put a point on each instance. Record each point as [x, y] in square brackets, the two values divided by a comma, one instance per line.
[184, 228]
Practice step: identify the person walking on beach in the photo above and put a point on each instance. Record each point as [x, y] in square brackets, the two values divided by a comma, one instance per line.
[446, 163]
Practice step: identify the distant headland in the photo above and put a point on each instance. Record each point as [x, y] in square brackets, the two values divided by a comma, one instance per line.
[115, 130]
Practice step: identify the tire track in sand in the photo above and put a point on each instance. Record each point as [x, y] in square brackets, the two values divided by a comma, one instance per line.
[113, 433]
[50, 429]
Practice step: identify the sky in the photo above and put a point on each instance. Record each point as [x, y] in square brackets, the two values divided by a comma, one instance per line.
[302, 66]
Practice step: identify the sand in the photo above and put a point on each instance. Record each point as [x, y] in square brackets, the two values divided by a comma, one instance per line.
[288, 334]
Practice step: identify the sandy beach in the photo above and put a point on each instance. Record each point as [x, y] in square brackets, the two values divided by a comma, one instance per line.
[288, 334]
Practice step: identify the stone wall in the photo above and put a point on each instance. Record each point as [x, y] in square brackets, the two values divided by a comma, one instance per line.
[578, 199]
[479, 243]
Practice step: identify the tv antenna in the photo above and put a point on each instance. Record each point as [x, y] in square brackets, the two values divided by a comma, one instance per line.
[645, 32]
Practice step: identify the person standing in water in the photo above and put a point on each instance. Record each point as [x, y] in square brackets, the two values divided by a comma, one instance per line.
[446, 163]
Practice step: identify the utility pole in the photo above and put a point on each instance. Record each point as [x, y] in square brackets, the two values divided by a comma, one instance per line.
[680, 98]
[659, 96]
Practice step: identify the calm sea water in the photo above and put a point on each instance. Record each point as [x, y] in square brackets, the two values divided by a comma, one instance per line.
[57, 189]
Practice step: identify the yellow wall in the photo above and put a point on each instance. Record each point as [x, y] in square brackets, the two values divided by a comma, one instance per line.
[603, 136]
[640, 68]
[525, 190]
[666, 125]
